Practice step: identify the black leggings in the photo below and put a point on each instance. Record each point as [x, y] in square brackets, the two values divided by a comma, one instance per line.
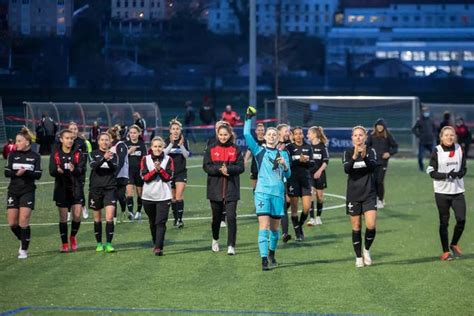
[458, 203]
[379, 181]
[157, 217]
[230, 208]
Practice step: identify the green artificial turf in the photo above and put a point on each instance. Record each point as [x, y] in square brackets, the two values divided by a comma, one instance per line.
[315, 276]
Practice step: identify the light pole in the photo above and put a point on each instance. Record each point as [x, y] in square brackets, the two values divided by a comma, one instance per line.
[252, 55]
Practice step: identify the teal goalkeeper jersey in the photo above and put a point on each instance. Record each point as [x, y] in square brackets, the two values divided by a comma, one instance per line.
[271, 176]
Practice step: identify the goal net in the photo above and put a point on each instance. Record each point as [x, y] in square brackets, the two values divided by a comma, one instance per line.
[338, 114]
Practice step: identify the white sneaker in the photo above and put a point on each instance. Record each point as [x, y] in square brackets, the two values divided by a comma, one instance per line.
[138, 216]
[231, 251]
[311, 222]
[22, 254]
[115, 220]
[215, 245]
[318, 220]
[367, 258]
[359, 262]
[380, 203]
[223, 224]
[85, 212]
[68, 216]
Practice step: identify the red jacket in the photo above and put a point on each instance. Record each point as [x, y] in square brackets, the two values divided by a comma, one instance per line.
[220, 187]
[7, 149]
[231, 117]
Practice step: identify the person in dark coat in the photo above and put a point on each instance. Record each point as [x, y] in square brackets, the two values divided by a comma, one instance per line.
[425, 131]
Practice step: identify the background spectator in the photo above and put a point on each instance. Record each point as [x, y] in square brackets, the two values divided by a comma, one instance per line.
[189, 118]
[230, 116]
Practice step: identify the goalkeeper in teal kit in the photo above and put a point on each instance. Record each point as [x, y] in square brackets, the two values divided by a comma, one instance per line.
[273, 168]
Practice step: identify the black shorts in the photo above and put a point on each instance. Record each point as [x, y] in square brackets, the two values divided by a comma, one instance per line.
[26, 199]
[179, 177]
[135, 178]
[298, 187]
[320, 184]
[253, 170]
[101, 197]
[360, 207]
[69, 199]
[120, 191]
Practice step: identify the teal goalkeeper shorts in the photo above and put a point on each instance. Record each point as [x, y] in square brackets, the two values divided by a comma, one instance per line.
[269, 205]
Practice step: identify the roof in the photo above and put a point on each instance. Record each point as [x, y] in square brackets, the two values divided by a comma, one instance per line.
[386, 3]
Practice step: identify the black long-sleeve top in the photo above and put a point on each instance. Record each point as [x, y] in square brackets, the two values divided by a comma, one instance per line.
[69, 180]
[102, 171]
[360, 182]
[383, 145]
[28, 160]
[300, 169]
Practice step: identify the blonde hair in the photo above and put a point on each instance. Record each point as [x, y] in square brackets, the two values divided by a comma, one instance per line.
[441, 132]
[134, 126]
[114, 132]
[319, 132]
[176, 122]
[25, 133]
[359, 127]
[157, 139]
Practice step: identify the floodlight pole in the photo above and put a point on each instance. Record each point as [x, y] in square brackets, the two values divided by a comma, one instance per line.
[252, 54]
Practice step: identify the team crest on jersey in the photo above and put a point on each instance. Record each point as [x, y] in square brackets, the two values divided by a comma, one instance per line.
[30, 159]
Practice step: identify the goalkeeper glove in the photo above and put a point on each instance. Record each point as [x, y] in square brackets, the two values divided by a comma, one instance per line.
[251, 112]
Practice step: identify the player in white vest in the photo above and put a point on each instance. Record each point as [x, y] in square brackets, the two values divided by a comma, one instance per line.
[447, 169]
[157, 172]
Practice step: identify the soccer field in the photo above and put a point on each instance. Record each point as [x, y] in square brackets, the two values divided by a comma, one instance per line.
[316, 276]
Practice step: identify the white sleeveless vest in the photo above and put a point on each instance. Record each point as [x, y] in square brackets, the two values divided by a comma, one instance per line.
[122, 173]
[445, 165]
[156, 190]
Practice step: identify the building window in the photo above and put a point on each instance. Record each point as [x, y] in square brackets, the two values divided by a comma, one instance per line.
[152, 4]
[394, 18]
[393, 54]
[142, 4]
[118, 14]
[468, 55]
[433, 55]
[455, 56]
[381, 54]
[419, 56]
[125, 14]
[374, 19]
[417, 18]
[218, 15]
[125, 4]
[60, 2]
[25, 1]
[406, 55]
[443, 55]
[117, 4]
[452, 18]
[326, 7]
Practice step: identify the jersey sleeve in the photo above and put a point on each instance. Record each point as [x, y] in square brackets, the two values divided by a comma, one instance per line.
[347, 161]
[37, 172]
[287, 173]
[251, 143]
[9, 172]
[209, 166]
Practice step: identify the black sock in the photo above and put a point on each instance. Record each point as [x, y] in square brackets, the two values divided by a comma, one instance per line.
[303, 218]
[16, 231]
[357, 242]
[130, 203]
[63, 232]
[319, 208]
[75, 228]
[98, 231]
[295, 221]
[25, 237]
[443, 234]
[311, 210]
[284, 223]
[271, 253]
[180, 209]
[109, 231]
[458, 229]
[369, 237]
[139, 204]
[175, 210]
[123, 204]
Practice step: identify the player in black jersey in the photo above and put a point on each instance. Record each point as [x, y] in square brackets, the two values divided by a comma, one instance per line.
[23, 168]
[284, 134]
[260, 139]
[299, 184]
[102, 186]
[360, 162]
[385, 146]
[66, 165]
[136, 151]
[121, 150]
[80, 144]
[177, 148]
[447, 169]
[321, 159]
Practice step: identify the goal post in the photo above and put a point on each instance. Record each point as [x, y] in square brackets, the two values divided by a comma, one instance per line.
[338, 114]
